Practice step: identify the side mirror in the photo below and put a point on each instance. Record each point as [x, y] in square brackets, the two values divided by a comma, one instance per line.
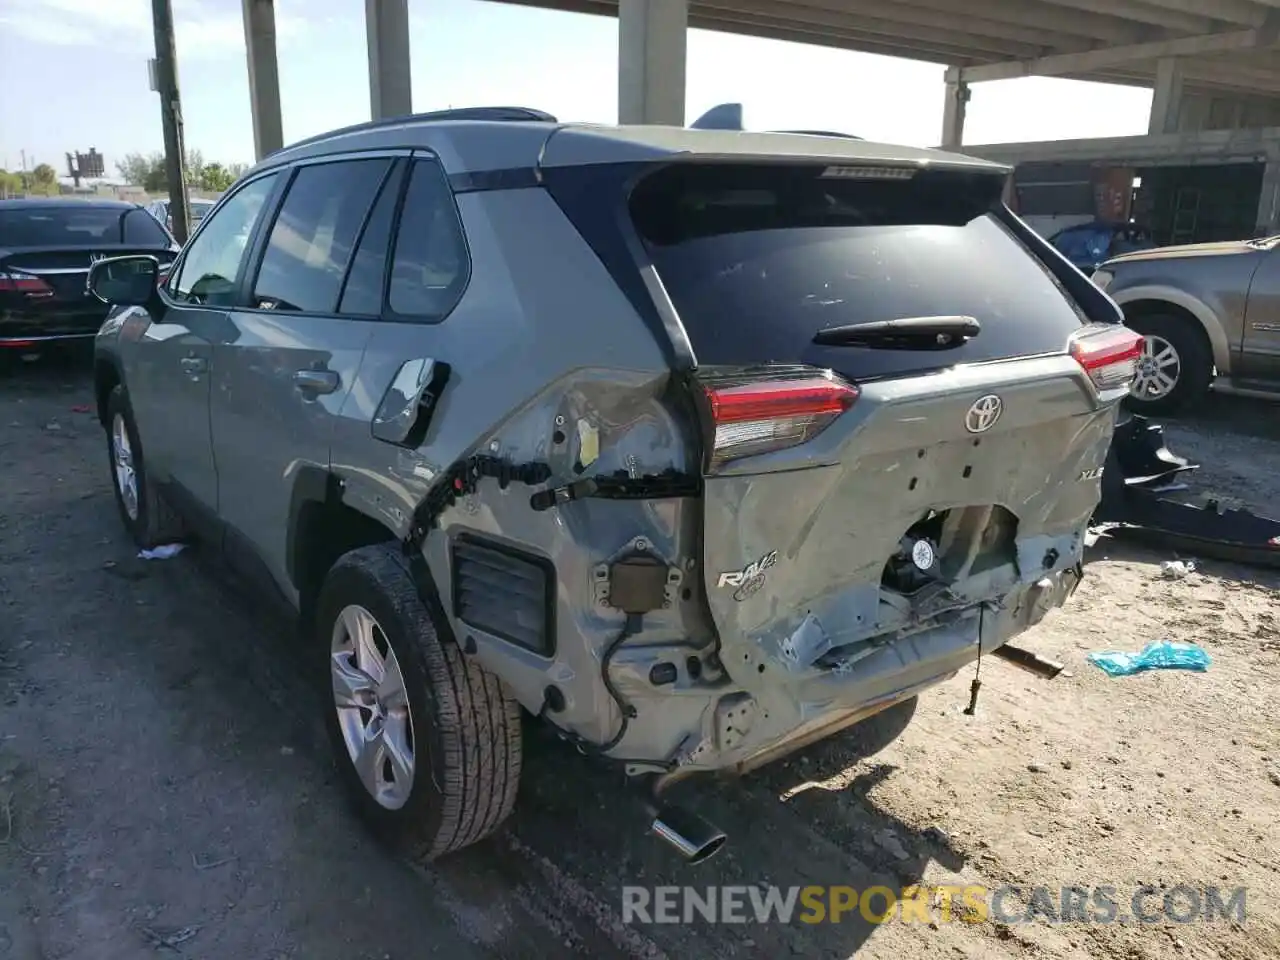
[125, 281]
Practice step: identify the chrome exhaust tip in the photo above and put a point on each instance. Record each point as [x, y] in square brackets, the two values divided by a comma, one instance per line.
[691, 836]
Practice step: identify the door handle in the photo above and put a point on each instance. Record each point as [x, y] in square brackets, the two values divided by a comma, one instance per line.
[193, 366]
[316, 381]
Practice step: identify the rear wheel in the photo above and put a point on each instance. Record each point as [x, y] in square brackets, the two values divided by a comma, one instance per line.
[1176, 365]
[427, 742]
[145, 515]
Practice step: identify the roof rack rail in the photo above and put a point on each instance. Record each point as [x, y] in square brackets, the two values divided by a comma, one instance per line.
[494, 114]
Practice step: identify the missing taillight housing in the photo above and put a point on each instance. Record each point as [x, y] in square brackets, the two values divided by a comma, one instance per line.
[1109, 354]
[765, 410]
[15, 281]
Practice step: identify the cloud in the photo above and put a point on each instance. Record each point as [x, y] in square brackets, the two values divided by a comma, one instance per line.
[201, 30]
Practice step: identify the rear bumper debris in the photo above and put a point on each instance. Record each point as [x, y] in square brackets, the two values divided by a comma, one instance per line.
[1140, 469]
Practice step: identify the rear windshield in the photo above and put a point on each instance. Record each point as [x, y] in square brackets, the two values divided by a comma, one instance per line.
[69, 226]
[757, 259]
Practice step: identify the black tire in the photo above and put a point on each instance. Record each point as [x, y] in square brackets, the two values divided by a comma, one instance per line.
[1195, 357]
[153, 522]
[464, 784]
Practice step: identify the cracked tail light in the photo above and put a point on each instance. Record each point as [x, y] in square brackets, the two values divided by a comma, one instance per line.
[764, 411]
[15, 281]
[1109, 355]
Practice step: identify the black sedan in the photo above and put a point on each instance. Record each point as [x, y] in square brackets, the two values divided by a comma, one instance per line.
[46, 249]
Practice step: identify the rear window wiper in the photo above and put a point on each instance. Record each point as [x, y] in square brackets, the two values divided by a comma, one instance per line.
[905, 333]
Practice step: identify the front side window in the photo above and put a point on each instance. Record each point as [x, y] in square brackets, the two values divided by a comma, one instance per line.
[430, 266]
[314, 235]
[214, 257]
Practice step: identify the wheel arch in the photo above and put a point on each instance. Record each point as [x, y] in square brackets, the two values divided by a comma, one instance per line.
[106, 377]
[322, 527]
[1145, 301]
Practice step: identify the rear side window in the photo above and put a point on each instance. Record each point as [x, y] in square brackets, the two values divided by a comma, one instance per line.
[757, 259]
[362, 295]
[315, 234]
[430, 266]
[79, 224]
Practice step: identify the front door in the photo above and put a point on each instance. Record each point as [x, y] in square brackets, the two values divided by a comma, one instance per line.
[1260, 354]
[170, 368]
[280, 382]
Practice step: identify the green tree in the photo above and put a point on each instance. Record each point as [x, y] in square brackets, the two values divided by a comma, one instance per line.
[44, 179]
[10, 184]
[193, 169]
[140, 169]
[215, 178]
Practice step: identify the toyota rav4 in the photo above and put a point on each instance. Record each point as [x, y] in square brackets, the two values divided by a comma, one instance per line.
[698, 445]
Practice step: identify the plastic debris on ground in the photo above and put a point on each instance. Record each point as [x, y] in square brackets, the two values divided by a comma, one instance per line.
[1177, 569]
[161, 553]
[1160, 655]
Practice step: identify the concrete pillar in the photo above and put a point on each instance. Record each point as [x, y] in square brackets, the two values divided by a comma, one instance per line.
[953, 114]
[264, 76]
[1166, 104]
[386, 24]
[652, 42]
[1269, 201]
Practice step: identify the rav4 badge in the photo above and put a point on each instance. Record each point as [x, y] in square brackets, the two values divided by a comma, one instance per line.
[737, 578]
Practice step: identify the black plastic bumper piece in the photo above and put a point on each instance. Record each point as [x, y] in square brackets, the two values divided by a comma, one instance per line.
[1139, 467]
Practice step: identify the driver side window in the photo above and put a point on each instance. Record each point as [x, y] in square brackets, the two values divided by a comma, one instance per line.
[212, 262]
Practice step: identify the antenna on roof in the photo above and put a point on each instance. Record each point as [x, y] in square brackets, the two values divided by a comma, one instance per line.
[725, 116]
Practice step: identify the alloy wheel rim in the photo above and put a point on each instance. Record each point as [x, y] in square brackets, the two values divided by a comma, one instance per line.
[372, 703]
[1159, 368]
[122, 462]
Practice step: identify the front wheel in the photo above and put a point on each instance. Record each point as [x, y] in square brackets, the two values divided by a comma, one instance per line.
[1176, 366]
[145, 515]
[427, 742]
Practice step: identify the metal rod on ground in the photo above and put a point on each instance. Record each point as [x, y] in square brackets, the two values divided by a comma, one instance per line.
[1028, 661]
[171, 115]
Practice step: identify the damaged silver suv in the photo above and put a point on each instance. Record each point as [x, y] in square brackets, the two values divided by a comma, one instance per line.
[698, 445]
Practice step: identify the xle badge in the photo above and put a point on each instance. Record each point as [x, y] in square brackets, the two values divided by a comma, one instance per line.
[750, 578]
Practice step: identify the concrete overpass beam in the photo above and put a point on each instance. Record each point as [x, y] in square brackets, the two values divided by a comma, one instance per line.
[264, 76]
[386, 24]
[652, 50]
[1166, 104]
[953, 114]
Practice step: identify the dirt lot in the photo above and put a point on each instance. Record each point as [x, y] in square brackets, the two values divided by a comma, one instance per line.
[164, 787]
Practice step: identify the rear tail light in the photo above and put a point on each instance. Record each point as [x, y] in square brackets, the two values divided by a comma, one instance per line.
[761, 412]
[14, 281]
[1109, 354]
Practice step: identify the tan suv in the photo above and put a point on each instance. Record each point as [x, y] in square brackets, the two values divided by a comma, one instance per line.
[1210, 313]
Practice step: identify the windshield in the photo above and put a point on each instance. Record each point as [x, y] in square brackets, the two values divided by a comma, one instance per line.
[73, 226]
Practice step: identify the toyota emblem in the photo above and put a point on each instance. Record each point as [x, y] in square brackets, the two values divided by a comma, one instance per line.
[983, 414]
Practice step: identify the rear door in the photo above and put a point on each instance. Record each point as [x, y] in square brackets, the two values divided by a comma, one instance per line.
[280, 381]
[45, 255]
[826, 457]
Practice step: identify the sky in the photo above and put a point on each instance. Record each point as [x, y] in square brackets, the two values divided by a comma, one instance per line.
[73, 75]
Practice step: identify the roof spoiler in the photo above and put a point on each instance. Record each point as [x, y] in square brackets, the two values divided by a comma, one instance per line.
[729, 116]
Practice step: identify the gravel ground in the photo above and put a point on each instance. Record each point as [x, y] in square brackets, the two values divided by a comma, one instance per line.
[165, 788]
